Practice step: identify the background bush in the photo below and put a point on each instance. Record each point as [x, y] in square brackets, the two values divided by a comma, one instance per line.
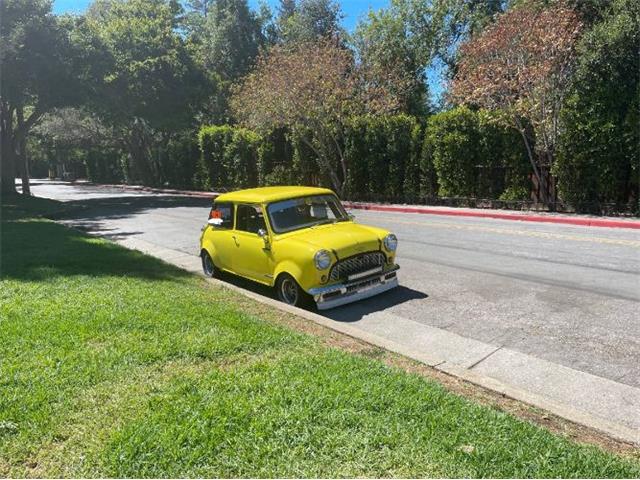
[466, 154]
[228, 158]
[599, 160]
[382, 154]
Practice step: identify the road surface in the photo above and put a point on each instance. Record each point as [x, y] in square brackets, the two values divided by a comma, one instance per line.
[513, 291]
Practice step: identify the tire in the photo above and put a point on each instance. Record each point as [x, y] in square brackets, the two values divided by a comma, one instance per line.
[289, 292]
[208, 267]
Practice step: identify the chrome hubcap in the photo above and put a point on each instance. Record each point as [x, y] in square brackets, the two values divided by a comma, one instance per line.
[289, 291]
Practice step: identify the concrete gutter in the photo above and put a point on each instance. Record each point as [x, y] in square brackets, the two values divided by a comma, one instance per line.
[598, 403]
[582, 221]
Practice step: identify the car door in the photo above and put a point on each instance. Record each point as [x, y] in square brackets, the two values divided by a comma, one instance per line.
[251, 259]
[221, 234]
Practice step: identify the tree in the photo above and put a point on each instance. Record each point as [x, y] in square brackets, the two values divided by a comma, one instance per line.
[310, 20]
[151, 85]
[314, 101]
[599, 158]
[74, 126]
[225, 37]
[461, 20]
[384, 46]
[521, 66]
[232, 39]
[39, 72]
[411, 36]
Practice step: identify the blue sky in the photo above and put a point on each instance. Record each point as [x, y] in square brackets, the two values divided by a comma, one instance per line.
[352, 9]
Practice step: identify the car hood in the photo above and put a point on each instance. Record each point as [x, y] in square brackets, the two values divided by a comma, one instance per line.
[344, 239]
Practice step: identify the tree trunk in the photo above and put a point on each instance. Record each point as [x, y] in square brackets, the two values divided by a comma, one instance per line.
[7, 153]
[7, 168]
[544, 197]
[337, 185]
[22, 162]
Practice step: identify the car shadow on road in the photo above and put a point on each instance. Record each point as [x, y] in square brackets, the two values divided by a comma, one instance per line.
[356, 311]
[347, 313]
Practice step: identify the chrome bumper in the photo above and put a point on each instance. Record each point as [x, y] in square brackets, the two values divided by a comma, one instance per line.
[342, 293]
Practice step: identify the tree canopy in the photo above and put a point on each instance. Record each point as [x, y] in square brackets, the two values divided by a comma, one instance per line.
[316, 100]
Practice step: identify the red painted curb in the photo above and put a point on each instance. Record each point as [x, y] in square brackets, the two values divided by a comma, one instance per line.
[584, 222]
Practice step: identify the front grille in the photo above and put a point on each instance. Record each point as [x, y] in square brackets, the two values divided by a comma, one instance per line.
[356, 264]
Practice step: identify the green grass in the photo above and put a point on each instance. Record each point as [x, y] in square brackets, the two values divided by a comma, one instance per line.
[115, 364]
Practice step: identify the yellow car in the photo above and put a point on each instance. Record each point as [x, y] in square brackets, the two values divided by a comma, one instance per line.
[301, 241]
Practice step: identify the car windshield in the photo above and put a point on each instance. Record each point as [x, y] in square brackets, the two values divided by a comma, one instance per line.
[302, 212]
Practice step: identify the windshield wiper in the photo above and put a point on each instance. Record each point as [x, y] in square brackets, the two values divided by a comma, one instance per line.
[324, 222]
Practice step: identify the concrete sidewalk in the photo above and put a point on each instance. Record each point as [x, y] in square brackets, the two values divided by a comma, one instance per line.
[596, 402]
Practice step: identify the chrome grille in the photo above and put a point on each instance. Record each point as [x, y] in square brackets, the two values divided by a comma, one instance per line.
[356, 264]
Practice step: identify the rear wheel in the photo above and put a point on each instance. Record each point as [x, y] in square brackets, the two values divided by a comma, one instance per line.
[289, 291]
[208, 267]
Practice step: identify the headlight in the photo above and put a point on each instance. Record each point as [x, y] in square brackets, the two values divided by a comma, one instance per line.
[322, 259]
[391, 242]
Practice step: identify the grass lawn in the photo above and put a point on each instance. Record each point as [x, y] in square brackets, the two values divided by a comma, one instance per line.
[113, 363]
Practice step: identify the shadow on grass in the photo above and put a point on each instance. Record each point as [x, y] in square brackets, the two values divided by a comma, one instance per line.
[36, 250]
[19, 206]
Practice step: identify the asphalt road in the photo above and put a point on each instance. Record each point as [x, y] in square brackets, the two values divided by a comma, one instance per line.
[565, 294]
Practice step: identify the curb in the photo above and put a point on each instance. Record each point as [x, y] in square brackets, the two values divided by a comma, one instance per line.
[563, 220]
[583, 222]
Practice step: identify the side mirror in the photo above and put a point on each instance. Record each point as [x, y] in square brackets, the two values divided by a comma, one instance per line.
[262, 233]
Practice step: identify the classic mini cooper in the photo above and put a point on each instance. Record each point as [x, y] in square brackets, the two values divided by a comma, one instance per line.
[301, 241]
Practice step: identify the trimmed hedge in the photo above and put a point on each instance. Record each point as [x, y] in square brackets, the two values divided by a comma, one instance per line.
[466, 154]
[390, 158]
[228, 158]
[382, 154]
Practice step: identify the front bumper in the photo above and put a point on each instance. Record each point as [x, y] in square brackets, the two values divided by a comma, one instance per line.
[339, 294]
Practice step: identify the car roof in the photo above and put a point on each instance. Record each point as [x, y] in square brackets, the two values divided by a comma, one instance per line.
[270, 194]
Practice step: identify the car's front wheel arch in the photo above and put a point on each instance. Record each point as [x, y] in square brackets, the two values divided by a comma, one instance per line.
[290, 292]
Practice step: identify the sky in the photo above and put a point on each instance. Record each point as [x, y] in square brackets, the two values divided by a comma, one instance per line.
[352, 9]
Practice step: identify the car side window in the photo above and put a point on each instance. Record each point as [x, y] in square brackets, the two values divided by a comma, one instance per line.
[250, 219]
[223, 212]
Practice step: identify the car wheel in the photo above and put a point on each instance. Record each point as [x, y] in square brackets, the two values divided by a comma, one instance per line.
[289, 291]
[208, 267]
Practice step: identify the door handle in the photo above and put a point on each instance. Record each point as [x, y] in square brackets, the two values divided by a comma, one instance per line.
[235, 240]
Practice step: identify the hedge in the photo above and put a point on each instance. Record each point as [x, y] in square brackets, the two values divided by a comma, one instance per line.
[228, 158]
[466, 154]
[382, 154]
[598, 160]
[461, 153]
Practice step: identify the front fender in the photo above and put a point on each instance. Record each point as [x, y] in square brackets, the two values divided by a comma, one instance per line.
[293, 269]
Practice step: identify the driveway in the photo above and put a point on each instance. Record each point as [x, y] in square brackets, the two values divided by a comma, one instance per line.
[520, 302]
